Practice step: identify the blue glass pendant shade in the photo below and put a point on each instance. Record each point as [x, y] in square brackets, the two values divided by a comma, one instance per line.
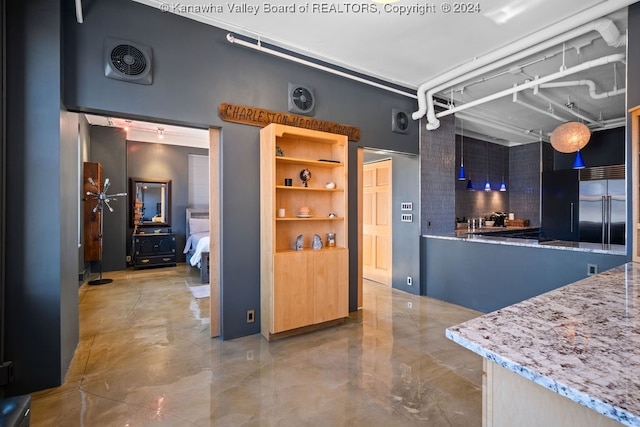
[461, 175]
[578, 163]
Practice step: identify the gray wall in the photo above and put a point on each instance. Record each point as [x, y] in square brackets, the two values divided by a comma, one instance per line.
[406, 235]
[108, 147]
[189, 95]
[41, 201]
[487, 276]
[438, 175]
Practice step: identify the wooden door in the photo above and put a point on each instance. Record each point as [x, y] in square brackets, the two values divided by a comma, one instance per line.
[376, 221]
[292, 290]
[91, 218]
[331, 284]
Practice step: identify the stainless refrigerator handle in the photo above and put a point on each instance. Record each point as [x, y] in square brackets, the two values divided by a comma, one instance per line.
[604, 218]
[572, 210]
[609, 219]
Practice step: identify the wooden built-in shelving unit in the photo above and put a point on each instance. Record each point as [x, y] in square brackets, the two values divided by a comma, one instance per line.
[309, 288]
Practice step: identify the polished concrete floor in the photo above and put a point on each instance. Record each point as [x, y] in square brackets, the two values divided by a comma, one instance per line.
[145, 359]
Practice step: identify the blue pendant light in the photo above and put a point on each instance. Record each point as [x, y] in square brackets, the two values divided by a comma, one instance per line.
[503, 186]
[578, 163]
[461, 175]
[470, 186]
[487, 184]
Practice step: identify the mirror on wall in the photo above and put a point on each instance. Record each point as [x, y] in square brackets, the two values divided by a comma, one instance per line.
[150, 202]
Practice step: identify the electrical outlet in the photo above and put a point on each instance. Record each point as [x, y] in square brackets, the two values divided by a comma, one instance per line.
[592, 269]
[409, 281]
[128, 258]
[251, 316]
[406, 217]
[409, 304]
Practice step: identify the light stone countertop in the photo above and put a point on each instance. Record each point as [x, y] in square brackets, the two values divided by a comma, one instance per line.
[581, 341]
[513, 241]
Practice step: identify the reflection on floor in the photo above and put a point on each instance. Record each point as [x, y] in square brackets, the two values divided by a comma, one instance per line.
[145, 359]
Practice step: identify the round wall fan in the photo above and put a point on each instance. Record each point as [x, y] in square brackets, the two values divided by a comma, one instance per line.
[128, 60]
[124, 60]
[301, 99]
[399, 121]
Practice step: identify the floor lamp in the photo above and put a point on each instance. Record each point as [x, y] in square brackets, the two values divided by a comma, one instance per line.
[103, 200]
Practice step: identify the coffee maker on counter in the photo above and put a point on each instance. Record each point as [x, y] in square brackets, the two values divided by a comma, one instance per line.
[499, 219]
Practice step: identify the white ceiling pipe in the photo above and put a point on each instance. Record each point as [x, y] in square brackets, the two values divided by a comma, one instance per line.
[611, 124]
[79, 11]
[590, 84]
[508, 128]
[537, 42]
[568, 110]
[538, 109]
[618, 57]
[425, 103]
[259, 47]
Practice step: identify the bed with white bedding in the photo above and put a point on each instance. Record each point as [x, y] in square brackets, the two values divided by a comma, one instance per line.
[197, 245]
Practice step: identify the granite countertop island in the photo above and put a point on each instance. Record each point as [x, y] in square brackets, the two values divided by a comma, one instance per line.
[492, 235]
[580, 341]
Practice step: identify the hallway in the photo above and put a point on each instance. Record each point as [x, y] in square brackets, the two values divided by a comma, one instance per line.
[145, 359]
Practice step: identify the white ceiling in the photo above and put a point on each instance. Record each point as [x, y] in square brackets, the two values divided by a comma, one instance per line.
[412, 48]
[153, 132]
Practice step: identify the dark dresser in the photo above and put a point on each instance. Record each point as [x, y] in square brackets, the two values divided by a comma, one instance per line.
[154, 250]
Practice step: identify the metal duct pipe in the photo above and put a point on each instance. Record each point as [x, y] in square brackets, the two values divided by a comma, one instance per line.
[79, 11]
[590, 84]
[554, 35]
[528, 85]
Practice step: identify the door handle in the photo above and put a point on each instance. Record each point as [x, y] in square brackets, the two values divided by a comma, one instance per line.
[604, 218]
[572, 215]
[609, 219]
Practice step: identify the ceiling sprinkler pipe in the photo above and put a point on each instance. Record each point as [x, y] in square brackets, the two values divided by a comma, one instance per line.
[532, 83]
[538, 109]
[556, 34]
[590, 84]
[259, 47]
[569, 110]
[79, 17]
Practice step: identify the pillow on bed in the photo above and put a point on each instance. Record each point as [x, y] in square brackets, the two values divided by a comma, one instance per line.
[198, 225]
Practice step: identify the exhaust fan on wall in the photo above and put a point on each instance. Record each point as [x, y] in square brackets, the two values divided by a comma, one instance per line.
[127, 61]
[399, 121]
[301, 99]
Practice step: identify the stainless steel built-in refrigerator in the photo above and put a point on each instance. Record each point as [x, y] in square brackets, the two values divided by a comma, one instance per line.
[602, 205]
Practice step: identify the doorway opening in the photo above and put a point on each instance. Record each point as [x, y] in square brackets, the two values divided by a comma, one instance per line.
[388, 220]
[160, 150]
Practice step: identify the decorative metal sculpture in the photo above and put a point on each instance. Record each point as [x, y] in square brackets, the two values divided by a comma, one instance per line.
[103, 200]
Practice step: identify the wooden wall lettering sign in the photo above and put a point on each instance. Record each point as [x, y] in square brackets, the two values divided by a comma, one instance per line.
[260, 117]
